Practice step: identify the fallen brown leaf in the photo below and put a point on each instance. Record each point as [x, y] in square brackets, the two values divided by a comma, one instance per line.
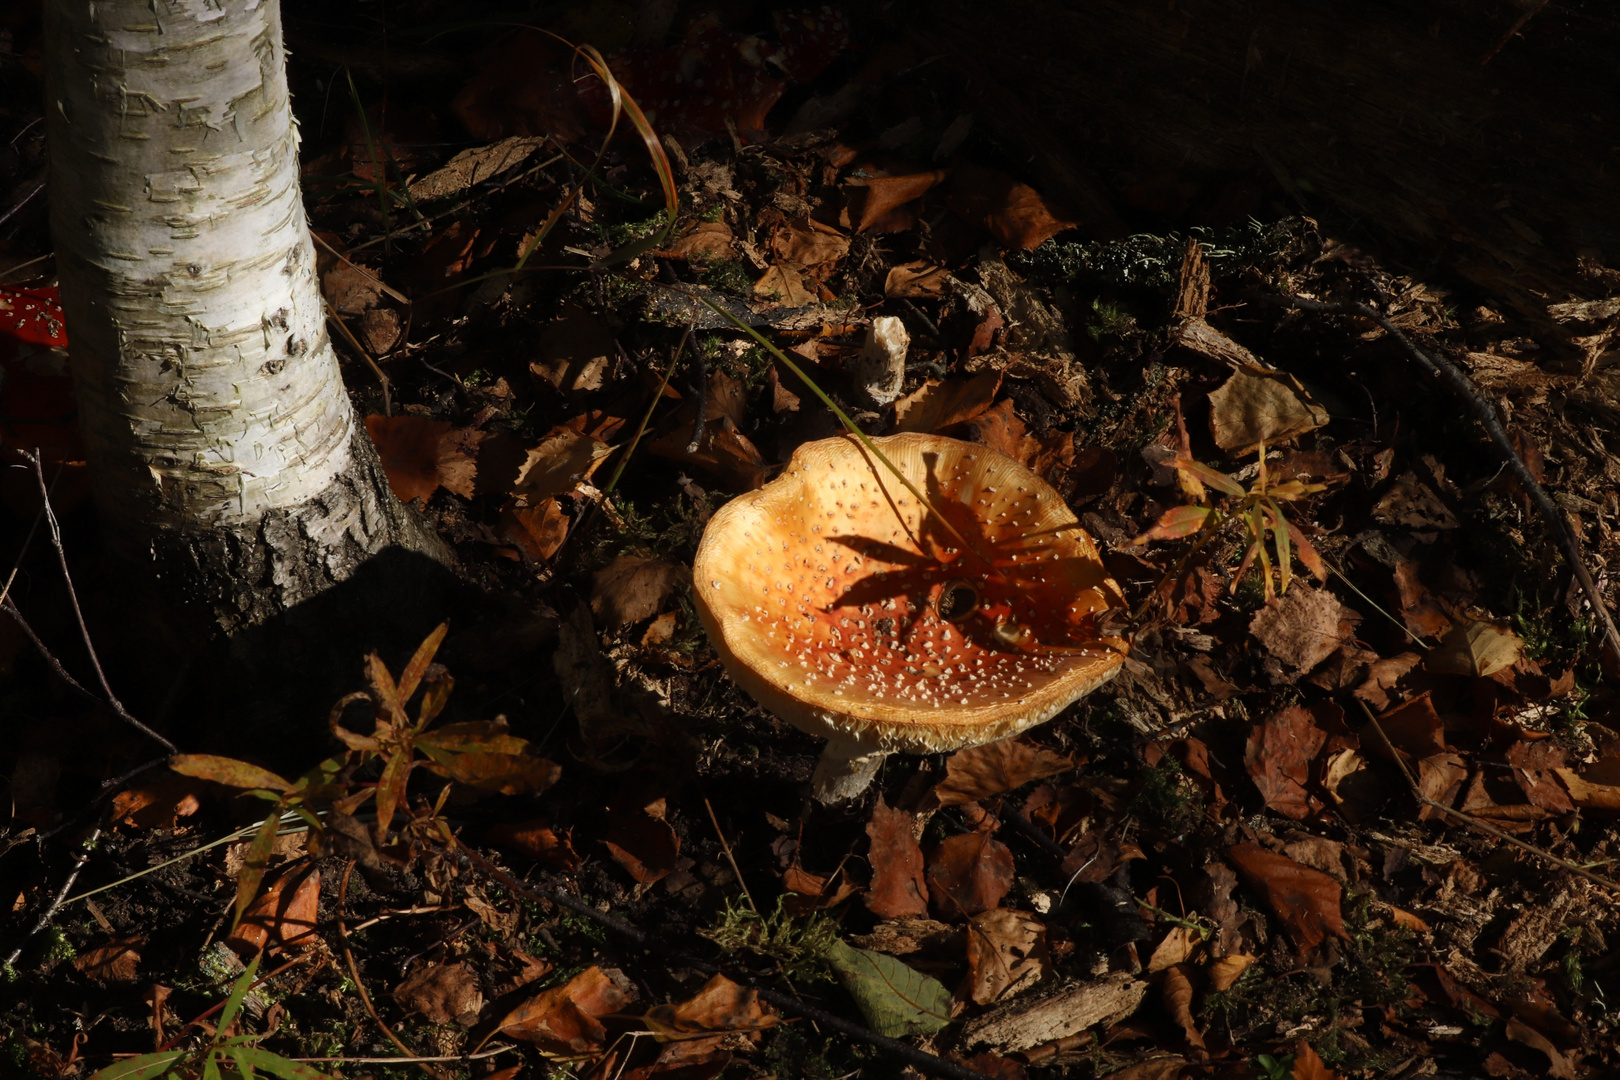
[875, 202]
[705, 241]
[1440, 778]
[442, 993]
[1308, 1064]
[1006, 952]
[562, 459]
[1225, 971]
[1013, 213]
[632, 588]
[564, 1019]
[115, 962]
[538, 840]
[899, 888]
[721, 1006]
[1307, 901]
[937, 404]
[810, 245]
[1411, 502]
[1178, 997]
[642, 841]
[1475, 648]
[917, 279]
[980, 772]
[1300, 628]
[420, 454]
[782, 284]
[158, 805]
[1536, 763]
[1278, 758]
[1178, 946]
[283, 914]
[1256, 405]
[1413, 727]
[538, 530]
[968, 874]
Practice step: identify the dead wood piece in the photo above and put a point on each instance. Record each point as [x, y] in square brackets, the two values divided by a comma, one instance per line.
[1059, 1013]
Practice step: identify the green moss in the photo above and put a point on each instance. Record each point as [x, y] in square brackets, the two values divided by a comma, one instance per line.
[1167, 800]
[728, 276]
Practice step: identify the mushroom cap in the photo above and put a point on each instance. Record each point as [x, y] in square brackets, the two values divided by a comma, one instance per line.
[846, 608]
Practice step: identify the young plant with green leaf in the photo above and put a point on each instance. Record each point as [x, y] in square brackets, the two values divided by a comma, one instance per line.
[225, 1057]
[1258, 507]
[480, 754]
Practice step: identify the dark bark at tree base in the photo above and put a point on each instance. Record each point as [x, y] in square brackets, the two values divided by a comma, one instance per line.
[239, 577]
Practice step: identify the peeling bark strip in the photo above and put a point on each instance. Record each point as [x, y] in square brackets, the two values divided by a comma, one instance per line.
[210, 399]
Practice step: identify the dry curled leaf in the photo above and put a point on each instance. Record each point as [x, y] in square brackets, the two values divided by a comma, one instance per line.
[1278, 758]
[722, 1006]
[899, 888]
[1006, 952]
[980, 772]
[968, 874]
[1255, 406]
[442, 993]
[1307, 901]
[642, 841]
[562, 459]
[1475, 648]
[632, 588]
[114, 962]
[564, 1020]
[1225, 971]
[283, 914]
[1178, 997]
[937, 404]
[538, 840]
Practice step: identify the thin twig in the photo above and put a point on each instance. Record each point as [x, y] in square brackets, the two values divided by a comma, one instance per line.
[725, 847]
[365, 998]
[925, 1062]
[1474, 822]
[354, 343]
[73, 684]
[1441, 367]
[79, 859]
[73, 596]
[1513, 31]
[28, 541]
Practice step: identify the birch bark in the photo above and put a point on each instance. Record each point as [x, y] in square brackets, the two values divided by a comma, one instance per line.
[224, 450]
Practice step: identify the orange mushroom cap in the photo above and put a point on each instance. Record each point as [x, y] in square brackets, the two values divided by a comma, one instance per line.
[849, 610]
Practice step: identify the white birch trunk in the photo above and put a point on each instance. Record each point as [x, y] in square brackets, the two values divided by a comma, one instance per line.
[222, 445]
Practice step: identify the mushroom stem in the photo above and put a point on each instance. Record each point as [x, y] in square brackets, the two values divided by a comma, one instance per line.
[844, 771]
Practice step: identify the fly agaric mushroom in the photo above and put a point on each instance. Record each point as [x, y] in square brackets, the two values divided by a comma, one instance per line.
[853, 612]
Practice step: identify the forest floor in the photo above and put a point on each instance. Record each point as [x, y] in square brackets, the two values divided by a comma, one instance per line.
[1233, 860]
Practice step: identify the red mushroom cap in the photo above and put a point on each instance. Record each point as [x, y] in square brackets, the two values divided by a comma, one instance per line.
[848, 610]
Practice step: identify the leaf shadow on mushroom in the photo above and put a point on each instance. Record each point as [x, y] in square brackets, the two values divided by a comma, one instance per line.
[916, 628]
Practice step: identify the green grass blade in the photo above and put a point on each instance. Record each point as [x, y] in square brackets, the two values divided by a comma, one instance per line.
[239, 992]
[145, 1067]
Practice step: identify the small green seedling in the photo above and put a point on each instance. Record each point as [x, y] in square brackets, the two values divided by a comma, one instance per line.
[1272, 1068]
[235, 1057]
[1260, 510]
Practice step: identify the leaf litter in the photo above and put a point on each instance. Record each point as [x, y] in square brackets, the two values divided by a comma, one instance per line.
[1205, 868]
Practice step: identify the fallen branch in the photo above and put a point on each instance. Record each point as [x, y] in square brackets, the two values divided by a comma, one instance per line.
[904, 1052]
[1442, 368]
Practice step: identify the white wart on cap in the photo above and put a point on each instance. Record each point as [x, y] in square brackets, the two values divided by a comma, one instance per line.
[850, 611]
